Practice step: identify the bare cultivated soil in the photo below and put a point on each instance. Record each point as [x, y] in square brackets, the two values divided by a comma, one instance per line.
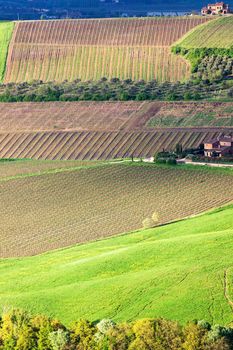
[43, 212]
[97, 130]
[112, 116]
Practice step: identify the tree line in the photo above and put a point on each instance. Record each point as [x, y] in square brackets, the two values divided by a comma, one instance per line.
[114, 90]
[21, 331]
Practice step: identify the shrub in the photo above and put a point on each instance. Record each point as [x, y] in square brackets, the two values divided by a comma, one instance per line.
[160, 161]
[171, 161]
[58, 339]
[155, 217]
[104, 325]
[148, 223]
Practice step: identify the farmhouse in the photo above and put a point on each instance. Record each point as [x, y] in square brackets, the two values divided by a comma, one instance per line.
[220, 147]
[216, 9]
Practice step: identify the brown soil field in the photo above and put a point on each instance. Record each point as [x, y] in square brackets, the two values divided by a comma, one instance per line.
[99, 131]
[105, 116]
[88, 204]
[91, 49]
[80, 116]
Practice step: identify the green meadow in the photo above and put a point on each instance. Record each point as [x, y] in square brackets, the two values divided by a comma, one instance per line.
[216, 33]
[179, 271]
[6, 29]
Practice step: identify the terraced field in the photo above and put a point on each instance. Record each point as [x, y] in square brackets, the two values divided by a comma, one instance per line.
[216, 33]
[54, 209]
[91, 49]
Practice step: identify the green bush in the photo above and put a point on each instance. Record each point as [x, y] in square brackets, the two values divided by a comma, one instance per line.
[171, 161]
[160, 160]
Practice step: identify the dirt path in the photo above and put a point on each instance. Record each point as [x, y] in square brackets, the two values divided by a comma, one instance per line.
[216, 165]
[226, 291]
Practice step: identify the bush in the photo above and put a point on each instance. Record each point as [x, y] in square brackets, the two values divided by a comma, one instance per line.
[171, 161]
[160, 161]
[148, 223]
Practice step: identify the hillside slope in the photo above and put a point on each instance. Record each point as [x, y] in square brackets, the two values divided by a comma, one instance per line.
[6, 29]
[97, 130]
[83, 203]
[92, 49]
[113, 116]
[178, 271]
[217, 33]
[102, 145]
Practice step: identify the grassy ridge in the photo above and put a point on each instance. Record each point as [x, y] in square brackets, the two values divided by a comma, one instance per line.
[217, 33]
[6, 29]
[176, 271]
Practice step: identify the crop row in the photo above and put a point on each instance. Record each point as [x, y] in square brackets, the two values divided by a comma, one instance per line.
[98, 145]
[129, 32]
[47, 63]
[216, 33]
[94, 203]
[92, 49]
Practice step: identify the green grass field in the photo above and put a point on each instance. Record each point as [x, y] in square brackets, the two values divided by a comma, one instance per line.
[213, 34]
[195, 120]
[6, 29]
[180, 271]
[22, 168]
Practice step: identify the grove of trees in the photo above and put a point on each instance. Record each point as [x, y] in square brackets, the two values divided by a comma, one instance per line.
[21, 331]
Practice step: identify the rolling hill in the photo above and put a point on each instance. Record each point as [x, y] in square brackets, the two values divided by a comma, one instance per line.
[78, 202]
[217, 33]
[92, 49]
[181, 271]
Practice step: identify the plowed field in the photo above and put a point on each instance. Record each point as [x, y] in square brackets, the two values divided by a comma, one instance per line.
[43, 212]
[112, 116]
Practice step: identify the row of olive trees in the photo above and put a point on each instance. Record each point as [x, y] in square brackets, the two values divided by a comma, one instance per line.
[113, 90]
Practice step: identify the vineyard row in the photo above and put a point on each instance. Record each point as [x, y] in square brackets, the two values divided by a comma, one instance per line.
[97, 145]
